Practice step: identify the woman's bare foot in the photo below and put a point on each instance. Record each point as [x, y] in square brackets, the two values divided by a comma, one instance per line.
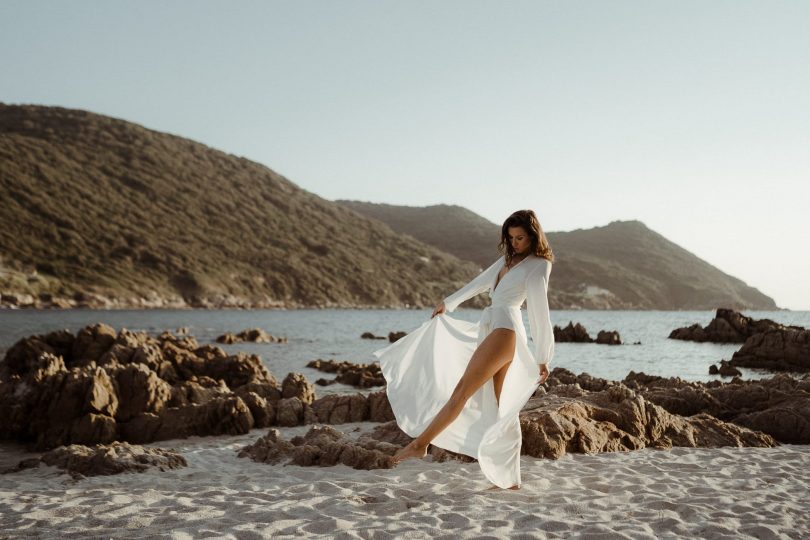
[412, 450]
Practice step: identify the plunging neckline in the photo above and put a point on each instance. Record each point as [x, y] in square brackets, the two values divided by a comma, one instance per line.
[498, 280]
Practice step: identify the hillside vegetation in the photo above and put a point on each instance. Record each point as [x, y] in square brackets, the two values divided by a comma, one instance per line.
[623, 265]
[98, 210]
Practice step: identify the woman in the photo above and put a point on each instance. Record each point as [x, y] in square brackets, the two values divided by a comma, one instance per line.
[461, 385]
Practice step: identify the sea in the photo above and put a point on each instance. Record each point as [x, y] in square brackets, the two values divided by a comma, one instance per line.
[335, 334]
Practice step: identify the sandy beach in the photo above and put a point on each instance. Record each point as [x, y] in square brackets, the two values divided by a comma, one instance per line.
[682, 492]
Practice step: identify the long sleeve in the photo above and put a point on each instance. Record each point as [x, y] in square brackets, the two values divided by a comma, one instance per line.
[539, 316]
[479, 284]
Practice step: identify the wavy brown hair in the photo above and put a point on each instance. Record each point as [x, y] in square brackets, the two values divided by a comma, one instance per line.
[529, 222]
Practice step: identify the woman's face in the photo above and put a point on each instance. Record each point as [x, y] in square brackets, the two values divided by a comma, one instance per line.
[520, 240]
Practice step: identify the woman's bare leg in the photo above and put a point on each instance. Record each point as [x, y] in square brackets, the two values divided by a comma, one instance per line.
[495, 351]
[498, 379]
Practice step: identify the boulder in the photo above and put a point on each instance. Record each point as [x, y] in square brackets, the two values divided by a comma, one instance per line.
[254, 335]
[608, 337]
[783, 349]
[101, 386]
[321, 446]
[357, 375]
[619, 419]
[778, 406]
[572, 334]
[727, 326]
[118, 457]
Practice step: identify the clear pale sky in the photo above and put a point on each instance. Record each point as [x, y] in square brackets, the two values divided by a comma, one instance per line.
[693, 117]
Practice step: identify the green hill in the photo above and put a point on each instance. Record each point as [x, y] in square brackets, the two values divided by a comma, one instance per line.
[103, 212]
[623, 265]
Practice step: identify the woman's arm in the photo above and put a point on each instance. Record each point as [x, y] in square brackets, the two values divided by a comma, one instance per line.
[539, 317]
[479, 284]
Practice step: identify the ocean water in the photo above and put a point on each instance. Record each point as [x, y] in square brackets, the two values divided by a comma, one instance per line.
[335, 334]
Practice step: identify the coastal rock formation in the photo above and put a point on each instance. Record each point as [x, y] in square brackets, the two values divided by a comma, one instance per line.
[725, 370]
[255, 335]
[779, 349]
[576, 333]
[571, 419]
[357, 375]
[606, 337]
[322, 446]
[395, 336]
[728, 326]
[118, 457]
[101, 386]
[778, 406]
[342, 408]
[369, 335]
[609, 417]
[573, 333]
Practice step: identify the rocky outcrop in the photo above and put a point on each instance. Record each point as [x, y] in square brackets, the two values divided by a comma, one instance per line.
[322, 446]
[357, 375]
[571, 419]
[255, 335]
[573, 333]
[609, 417]
[369, 335]
[728, 326]
[778, 406]
[118, 457]
[342, 408]
[576, 333]
[396, 336]
[725, 370]
[101, 386]
[608, 337]
[783, 349]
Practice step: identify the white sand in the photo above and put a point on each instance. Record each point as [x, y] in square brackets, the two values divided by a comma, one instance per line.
[708, 493]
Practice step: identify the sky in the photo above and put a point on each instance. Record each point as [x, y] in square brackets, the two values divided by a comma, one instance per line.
[690, 116]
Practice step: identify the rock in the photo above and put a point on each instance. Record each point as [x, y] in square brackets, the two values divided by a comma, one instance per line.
[255, 335]
[101, 386]
[572, 334]
[784, 349]
[727, 370]
[219, 416]
[289, 412]
[369, 335]
[117, 457]
[779, 406]
[91, 342]
[340, 409]
[322, 446]
[357, 375]
[608, 337]
[140, 390]
[713, 370]
[395, 336]
[619, 419]
[297, 385]
[271, 448]
[728, 326]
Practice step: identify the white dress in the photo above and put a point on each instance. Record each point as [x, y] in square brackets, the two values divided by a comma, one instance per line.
[423, 368]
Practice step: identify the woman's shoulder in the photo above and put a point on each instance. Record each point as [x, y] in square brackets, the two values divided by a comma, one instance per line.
[539, 264]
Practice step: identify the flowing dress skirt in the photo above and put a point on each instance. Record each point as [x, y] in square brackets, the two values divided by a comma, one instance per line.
[422, 369]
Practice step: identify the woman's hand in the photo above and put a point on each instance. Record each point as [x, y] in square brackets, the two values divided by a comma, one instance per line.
[438, 309]
[543, 373]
